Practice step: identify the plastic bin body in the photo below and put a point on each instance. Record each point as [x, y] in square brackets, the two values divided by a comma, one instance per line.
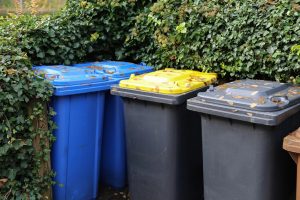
[76, 153]
[113, 165]
[242, 154]
[249, 166]
[161, 146]
[162, 138]
[78, 101]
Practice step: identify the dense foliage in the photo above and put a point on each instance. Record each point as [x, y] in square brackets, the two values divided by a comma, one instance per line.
[22, 97]
[237, 39]
[83, 30]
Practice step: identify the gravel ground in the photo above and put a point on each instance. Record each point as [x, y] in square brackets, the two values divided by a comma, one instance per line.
[107, 193]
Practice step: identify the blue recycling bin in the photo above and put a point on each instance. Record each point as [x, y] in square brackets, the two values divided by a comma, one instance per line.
[78, 100]
[113, 165]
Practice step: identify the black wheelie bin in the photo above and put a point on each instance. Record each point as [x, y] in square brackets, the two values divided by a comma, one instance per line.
[162, 135]
[243, 126]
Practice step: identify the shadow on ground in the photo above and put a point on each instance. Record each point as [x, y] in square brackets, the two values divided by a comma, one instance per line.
[108, 193]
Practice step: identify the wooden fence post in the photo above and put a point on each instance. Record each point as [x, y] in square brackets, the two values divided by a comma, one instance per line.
[41, 123]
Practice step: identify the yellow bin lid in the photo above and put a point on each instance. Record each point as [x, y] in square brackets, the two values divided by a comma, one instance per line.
[169, 81]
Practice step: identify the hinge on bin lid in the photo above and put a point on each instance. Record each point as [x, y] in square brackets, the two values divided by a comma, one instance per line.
[52, 76]
[211, 88]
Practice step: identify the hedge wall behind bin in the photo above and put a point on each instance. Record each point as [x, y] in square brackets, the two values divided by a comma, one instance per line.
[238, 39]
[25, 133]
[83, 30]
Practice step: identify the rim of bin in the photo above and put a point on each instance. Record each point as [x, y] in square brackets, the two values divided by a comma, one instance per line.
[169, 99]
[257, 117]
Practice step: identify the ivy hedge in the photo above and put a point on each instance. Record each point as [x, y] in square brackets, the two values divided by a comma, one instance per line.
[83, 30]
[22, 102]
[94, 29]
[237, 39]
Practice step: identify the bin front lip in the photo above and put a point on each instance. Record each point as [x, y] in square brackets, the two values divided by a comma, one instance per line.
[154, 97]
[256, 117]
[83, 88]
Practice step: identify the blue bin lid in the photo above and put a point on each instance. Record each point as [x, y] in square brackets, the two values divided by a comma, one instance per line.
[68, 80]
[117, 69]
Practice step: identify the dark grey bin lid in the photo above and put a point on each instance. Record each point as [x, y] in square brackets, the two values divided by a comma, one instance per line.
[154, 97]
[256, 101]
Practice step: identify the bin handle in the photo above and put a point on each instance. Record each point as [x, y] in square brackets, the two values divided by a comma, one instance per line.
[211, 88]
[90, 71]
[52, 76]
[93, 71]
